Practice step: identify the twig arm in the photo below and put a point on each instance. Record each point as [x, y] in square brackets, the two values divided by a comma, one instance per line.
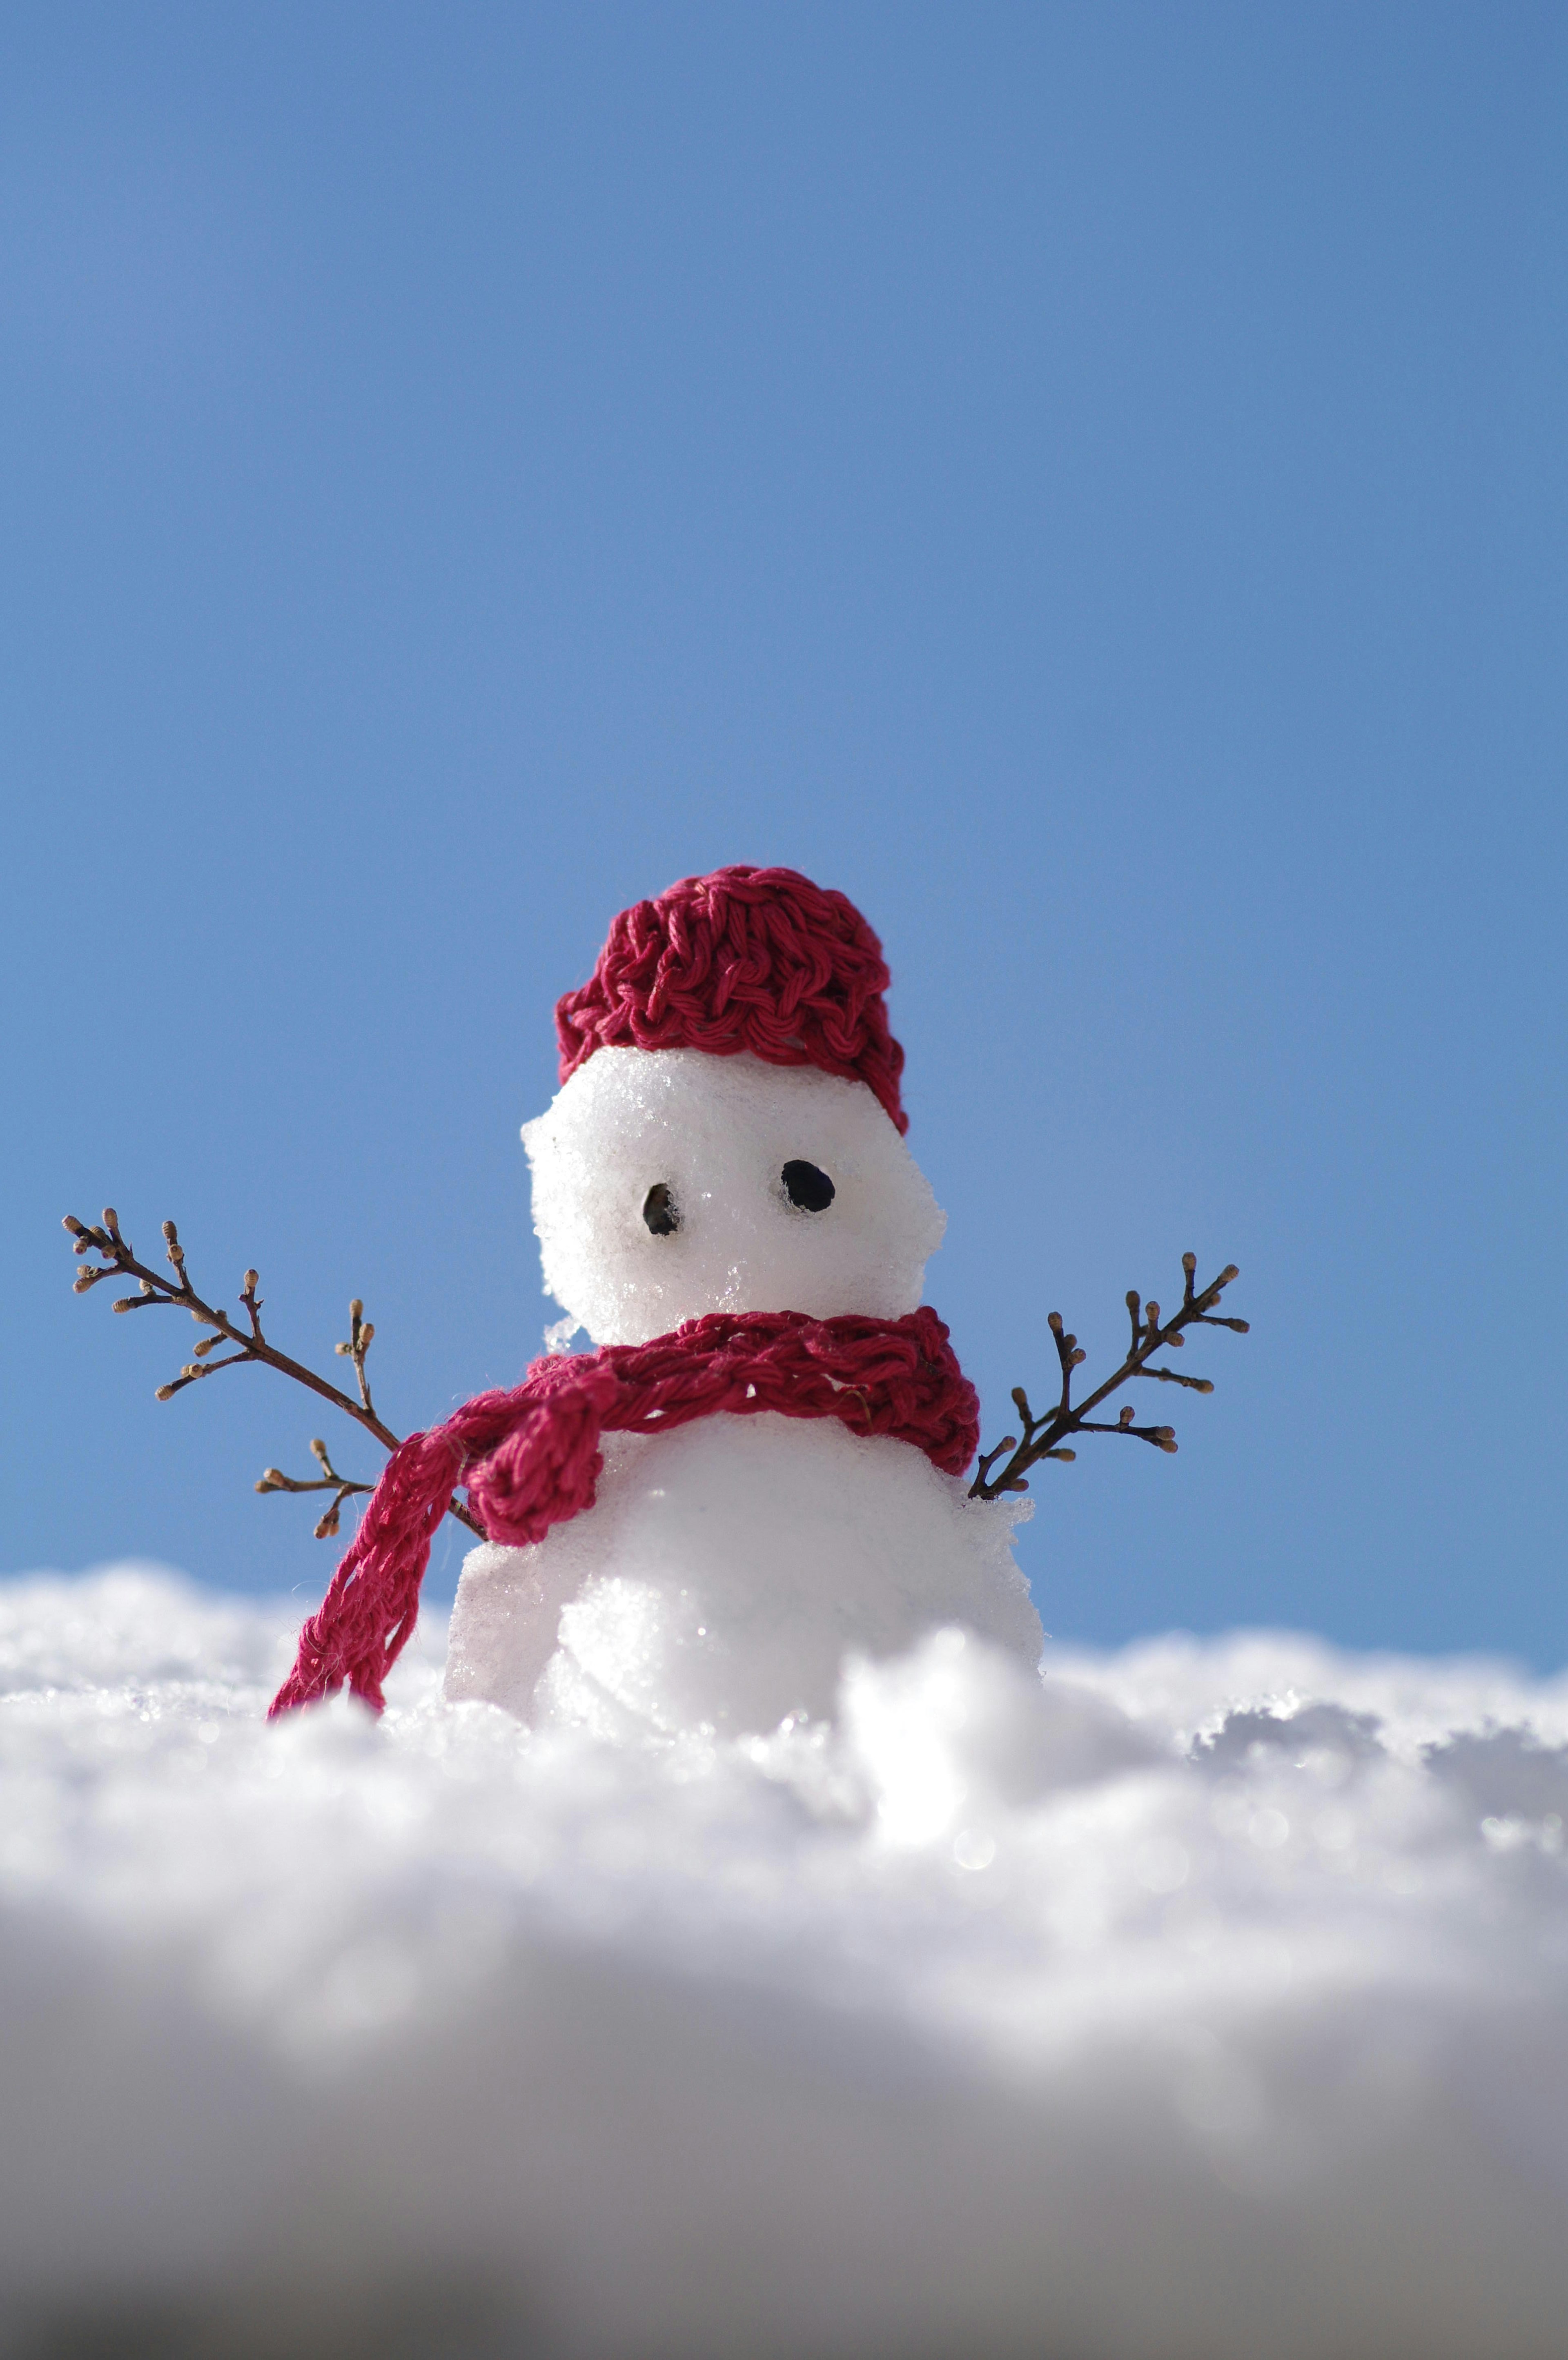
[118, 1260]
[1043, 1437]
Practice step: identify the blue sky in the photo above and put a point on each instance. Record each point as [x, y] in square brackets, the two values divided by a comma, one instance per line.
[1087, 482]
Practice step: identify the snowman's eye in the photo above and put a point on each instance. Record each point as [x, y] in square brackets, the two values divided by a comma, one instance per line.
[661, 1211]
[808, 1190]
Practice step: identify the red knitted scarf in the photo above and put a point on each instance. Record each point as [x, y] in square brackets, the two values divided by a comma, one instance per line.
[531, 1458]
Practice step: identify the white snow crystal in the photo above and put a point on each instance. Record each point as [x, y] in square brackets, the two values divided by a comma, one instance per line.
[1199, 2003]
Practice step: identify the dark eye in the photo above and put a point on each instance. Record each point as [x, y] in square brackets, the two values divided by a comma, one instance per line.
[659, 1210]
[808, 1190]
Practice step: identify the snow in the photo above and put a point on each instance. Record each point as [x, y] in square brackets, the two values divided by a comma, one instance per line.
[724, 1573]
[718, 1131]
[1205, 2000]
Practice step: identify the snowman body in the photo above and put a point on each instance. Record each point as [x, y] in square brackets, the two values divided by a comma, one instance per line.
[728, 1568]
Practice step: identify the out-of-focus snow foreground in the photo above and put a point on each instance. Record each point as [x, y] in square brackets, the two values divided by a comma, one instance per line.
[1207, 1999]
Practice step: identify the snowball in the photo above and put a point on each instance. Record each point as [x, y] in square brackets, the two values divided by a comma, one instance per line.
[724, 1574]
[715, 1133]
[1205, 2000]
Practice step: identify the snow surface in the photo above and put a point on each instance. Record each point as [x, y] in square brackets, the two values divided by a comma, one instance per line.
[1209, 1999]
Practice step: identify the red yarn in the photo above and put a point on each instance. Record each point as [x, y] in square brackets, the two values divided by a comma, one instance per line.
[531, 1459]
[747, 959]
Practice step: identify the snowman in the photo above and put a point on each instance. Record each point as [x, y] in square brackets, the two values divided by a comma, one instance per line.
[757, 1469]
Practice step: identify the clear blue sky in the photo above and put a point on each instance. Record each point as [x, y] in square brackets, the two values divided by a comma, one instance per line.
[1090, 482]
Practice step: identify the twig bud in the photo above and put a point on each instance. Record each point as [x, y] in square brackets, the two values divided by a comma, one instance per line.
[84, 1279]
[366, 1333]
[356, 1309]
[1190, 1263]
[166, 1392]
[342, 1350]
[1226, 1276]
[70, 1222]
[272, 1479]
[111, 1220]
[252, 1281]
[1126, 1417]
[1053, 1322]
[318, 1450]
[1061, 1454]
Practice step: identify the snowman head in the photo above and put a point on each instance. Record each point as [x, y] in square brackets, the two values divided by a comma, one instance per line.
[728, 1135]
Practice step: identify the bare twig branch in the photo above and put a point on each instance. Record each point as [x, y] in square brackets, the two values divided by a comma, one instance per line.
[1043, 1436]
[274, 1480]
[117, 1259]
[361, 1335]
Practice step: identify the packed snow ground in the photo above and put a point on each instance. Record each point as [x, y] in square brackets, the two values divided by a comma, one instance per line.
[1206, 2000]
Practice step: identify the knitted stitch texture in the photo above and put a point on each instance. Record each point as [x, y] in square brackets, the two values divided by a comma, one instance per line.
[746, 958]
[531, 1458]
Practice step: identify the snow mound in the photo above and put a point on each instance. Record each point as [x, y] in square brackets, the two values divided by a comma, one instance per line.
[1206, 2000]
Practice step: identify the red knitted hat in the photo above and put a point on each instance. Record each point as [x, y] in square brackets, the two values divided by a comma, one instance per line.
[748, 958]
